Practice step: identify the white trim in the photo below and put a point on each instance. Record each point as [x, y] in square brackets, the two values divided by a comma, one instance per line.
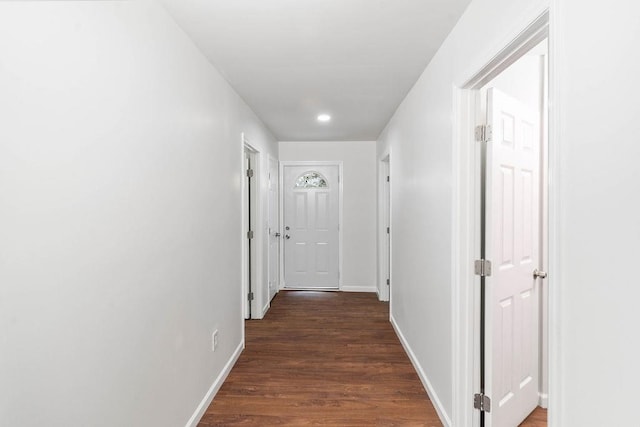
[278, 229]
[215, 387]
[266, 308]
[543, 400]
[281, 221]
[384, 207]
[337, 163]
[556, 337]
[391, 226]
[241, 231]
[257, 283]
[465, 230]
[359, 288]
[463, 299]
[433, 396]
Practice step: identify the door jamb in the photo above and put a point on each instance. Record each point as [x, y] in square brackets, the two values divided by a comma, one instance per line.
[256, 311]
[340, 210]
[384, 220]
[278, 230]
[466, 225]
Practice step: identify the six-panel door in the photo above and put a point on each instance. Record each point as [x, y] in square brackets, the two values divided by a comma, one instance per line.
[513, 234]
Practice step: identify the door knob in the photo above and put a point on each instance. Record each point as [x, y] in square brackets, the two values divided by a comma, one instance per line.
[286, 236]
[277, 234]
[539, 274]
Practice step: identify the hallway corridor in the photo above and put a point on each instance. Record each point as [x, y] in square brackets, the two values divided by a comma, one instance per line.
[325, 359]
[322, 358]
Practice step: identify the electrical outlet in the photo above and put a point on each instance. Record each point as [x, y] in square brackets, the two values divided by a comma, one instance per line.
[214, 340]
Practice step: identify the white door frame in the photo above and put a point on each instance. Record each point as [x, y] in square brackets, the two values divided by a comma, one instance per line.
[340, 210]
[276, 230]
[466, 229]
[384, 221]
[255, 221]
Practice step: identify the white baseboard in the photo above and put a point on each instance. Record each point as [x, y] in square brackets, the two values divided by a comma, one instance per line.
[543, 400]
[382, 298]
[215, 387]
[442, 414]
[358, 288]
[265, 309]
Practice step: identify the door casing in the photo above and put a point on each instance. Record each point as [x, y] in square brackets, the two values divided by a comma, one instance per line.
[273, 226]
[250, 264]
[384, 221]
[466, 221]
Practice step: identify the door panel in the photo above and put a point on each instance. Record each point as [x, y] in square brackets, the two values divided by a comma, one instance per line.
[512, 221]
[322, 258]
[311, 253]
[323, 215]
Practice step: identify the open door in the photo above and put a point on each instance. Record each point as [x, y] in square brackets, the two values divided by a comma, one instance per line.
[384, 230]
[512, 239]
[250, 229]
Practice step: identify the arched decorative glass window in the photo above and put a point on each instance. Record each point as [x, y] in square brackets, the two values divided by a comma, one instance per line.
[311, 180]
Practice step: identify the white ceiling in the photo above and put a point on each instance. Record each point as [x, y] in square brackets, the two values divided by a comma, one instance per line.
[291, 60]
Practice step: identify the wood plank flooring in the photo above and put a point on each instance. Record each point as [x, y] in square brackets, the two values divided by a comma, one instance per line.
[323, 359]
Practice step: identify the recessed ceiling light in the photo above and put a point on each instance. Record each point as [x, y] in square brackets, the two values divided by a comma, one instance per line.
[324, 118]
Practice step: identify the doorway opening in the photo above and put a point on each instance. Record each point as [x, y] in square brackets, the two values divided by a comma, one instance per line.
[311, 216]
[384, 229]
[500, 291]
[249, 236]
[513, 189]
[274, 228]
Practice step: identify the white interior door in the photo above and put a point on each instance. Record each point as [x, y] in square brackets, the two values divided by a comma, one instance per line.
[274, 229]
[512, 246]
[246, 244]
[311, 229]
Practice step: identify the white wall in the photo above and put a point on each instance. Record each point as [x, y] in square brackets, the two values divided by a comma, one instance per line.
[359, 210]
[594, 187]
[597, 181]
[119, 216]
[421, 136]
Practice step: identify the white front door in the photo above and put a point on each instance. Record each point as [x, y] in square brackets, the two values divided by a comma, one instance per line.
[512, 246]
[274, 228]
[311, 230]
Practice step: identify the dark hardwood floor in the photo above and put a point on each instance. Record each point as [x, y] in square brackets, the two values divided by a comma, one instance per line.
[538, 418]
[323, 359]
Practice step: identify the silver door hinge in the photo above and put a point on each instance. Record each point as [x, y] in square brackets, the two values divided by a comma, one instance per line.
[388, 178]
[250, 296]
[388, 230]
[484, 133]
[250, 234]
[482, 267]
[250, 173]
[388, 281]
[482, 402]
